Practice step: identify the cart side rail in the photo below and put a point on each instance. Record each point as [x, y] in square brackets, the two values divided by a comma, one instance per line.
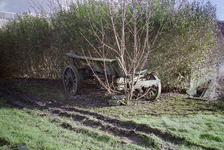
[112, 66]
[90, 58]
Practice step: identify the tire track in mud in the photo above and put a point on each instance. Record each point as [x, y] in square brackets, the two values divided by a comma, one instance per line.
[15, 99]
[141, 134]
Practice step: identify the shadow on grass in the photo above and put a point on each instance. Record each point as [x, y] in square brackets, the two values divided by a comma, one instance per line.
[51, 92]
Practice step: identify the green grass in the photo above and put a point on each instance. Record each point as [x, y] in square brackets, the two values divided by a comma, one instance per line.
[200, 122]
[23, 126]
[207, 130]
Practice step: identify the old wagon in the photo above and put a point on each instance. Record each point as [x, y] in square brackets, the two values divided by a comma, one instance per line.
[110, 70]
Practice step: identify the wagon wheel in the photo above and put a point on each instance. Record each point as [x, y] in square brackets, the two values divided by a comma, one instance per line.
[155, 90]
[71, 80]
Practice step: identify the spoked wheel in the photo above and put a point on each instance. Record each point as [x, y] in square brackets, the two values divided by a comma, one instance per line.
[155, 90]
[71, 80]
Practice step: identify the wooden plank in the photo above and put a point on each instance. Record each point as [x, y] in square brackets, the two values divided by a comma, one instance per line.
[112, 66]
[120, 68]
[89, 58]
[142, 72]
[96, 67]
[197, 98]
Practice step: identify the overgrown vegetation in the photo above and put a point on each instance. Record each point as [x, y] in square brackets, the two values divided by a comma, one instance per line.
[34, 46]
[189, 43]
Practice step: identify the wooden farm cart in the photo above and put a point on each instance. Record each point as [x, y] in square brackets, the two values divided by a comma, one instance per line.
[85, 68]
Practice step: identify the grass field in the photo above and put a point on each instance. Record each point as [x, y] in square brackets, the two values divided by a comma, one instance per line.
[201, 122]
[172, 120]
[25, 126]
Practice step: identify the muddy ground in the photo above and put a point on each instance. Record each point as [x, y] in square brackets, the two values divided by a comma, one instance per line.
[49, 95]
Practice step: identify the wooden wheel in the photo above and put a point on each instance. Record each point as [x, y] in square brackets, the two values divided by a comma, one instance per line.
[71, 79]
[155, 90]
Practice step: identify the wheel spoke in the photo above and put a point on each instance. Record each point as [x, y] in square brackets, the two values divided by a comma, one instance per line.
[68, 88]
[152, 93]
[154, 89]
[69, 73]
[66, 84]
[66, 80]
[65, 77]
[74, 86]
[74, 80]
